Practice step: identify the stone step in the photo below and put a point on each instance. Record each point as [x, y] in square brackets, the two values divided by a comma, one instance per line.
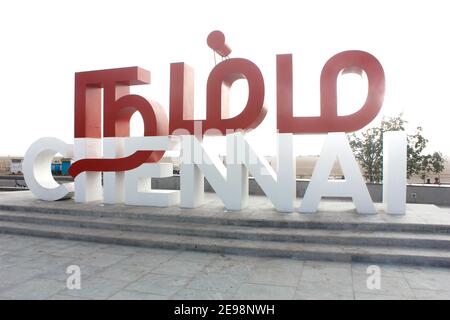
[329, 252]
[221, 217]
[298, 235]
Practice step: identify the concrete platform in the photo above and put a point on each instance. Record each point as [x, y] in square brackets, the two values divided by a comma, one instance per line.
[336, 233]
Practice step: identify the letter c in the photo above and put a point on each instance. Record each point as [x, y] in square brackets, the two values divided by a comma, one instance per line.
[37, 169]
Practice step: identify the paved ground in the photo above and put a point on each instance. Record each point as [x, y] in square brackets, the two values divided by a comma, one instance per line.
[35, 268]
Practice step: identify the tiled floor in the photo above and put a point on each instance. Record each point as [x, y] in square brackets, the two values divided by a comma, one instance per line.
[35, 268]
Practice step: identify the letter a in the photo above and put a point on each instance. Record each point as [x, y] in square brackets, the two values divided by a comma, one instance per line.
[337, 146]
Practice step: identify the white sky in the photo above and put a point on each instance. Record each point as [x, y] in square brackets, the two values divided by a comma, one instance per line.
[43, 43]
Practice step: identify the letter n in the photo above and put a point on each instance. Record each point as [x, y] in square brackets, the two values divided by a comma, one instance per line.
[230, 182]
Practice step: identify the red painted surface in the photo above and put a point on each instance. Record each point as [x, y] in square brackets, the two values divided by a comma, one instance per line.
[219, 84]
[119, 105]
[111, 165]
[118, 108]
[88, 85]
[220, 81]
[181, 99]
[329, 121]
[216, 41]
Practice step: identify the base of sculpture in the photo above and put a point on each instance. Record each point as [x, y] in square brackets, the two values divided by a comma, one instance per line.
[335, 233]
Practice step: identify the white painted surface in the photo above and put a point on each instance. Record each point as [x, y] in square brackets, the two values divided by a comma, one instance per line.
[88, 185]
[37, 169]
[113, 182]
[230, 183]
[394, 171]
[279, 187]
[137, 182]
[337, 147]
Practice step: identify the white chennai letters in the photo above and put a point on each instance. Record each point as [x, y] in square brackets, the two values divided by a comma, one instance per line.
[113, 182]
[37, 169]
[337, 147]
[88, 185]
[279, 187]
[394, 172]
[229, 181]
[138, 182]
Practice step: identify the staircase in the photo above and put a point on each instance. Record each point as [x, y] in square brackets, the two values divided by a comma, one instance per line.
[307, 237]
